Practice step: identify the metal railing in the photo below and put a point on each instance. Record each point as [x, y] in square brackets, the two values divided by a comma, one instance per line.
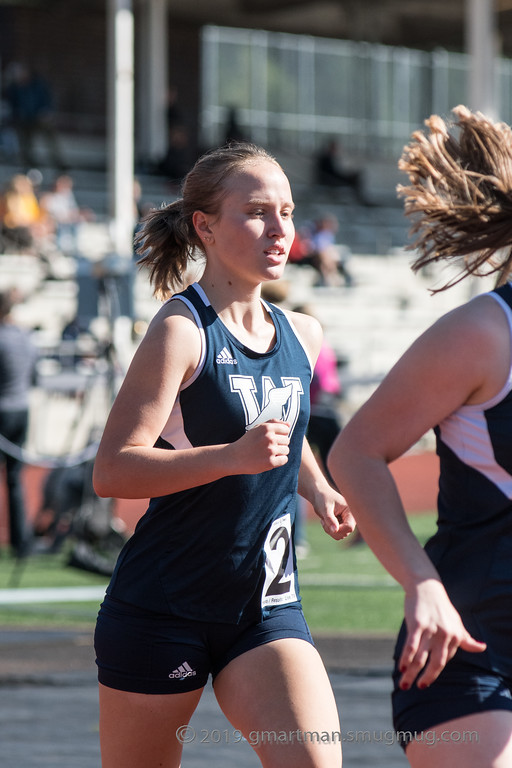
[295, 91]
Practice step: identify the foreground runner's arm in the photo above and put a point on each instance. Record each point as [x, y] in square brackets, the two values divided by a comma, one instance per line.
[444, 368]
[330, 506]
[127, 463]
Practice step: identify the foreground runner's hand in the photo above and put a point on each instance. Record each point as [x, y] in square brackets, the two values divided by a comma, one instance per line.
[333, 511]
[434, 633]
[261, 448]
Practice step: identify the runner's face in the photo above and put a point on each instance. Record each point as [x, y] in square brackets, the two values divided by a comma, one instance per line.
[254, 232]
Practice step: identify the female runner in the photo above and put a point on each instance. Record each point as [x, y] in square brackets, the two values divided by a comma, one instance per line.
[452, 700]
[209, 423]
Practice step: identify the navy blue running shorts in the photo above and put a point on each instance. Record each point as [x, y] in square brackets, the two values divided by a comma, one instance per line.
[461, 689]
[143, 652]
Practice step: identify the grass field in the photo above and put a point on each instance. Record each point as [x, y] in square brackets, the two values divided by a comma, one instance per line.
[344, 588]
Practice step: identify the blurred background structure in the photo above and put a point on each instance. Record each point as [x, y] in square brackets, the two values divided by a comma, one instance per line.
[295, 71]
[162, 80]
[294, 74]
[105, 105]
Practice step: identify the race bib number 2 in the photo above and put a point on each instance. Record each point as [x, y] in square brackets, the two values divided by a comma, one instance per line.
[279, 587]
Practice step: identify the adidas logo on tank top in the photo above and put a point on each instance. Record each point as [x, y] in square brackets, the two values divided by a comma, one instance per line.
[224, 358]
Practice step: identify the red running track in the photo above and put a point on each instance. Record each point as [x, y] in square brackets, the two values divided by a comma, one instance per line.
[415, 474]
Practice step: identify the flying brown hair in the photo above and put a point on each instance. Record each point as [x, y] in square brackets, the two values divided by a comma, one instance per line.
[460, 194]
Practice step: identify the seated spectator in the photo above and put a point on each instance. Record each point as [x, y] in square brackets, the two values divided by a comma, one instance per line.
[178, 158]
[330, 172]
[64, 213]
[328, 258]
[21, 219]
[233, 132]
[301, 247]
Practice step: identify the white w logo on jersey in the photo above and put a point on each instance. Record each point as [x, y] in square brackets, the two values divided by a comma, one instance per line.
[281, 403]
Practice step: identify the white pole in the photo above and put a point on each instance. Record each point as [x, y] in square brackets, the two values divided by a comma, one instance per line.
[121, 122]
[153, 76]
[481, 46]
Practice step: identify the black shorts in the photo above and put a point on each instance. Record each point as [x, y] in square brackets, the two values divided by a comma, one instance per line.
[461, 689]
[149, 653]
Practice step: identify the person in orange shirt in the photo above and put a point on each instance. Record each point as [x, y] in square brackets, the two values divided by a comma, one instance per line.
[22, 221]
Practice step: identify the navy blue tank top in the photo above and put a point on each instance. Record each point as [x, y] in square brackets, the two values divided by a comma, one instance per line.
[223, 551]
[472, 548]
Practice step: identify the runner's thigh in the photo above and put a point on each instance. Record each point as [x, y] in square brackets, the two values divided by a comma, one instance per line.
[139, 730]
[482, 740]
[280, 697]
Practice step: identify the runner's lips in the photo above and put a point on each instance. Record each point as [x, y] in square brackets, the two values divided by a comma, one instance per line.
[275, 251]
